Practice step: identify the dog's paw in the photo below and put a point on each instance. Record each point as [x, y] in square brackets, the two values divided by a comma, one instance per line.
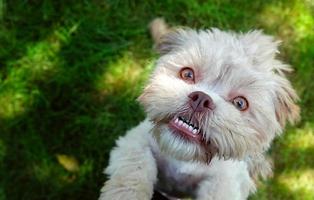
[120, 191]
[118, 194]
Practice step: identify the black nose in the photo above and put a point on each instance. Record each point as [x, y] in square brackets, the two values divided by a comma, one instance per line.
[201, 102]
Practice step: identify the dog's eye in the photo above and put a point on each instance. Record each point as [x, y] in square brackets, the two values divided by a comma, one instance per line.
[240, 103]
[187, 74]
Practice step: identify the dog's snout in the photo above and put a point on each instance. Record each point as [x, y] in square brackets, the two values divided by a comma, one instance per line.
[200, 101]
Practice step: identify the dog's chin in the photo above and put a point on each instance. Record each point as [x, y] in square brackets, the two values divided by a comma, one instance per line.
[179, 141]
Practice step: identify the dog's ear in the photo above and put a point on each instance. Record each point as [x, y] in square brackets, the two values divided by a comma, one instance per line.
[158, 28]
[262, 49]
[285, 102]
[165, 38]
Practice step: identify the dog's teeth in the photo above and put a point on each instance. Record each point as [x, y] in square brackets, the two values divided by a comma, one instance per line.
[190, 128]
[176, 121]
[186, 126]
[180, 122]
[194, 131]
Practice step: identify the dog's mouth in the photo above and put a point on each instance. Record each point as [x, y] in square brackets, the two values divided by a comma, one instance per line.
[185, 128]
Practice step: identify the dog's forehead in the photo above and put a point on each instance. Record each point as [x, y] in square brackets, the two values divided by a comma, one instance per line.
[216, 46]
[214, 56]
[215, 52]
[209, 51]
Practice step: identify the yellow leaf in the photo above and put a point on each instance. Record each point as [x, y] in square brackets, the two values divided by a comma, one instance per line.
[68, 162]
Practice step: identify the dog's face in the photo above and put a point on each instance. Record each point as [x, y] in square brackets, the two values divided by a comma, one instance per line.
[218, 93]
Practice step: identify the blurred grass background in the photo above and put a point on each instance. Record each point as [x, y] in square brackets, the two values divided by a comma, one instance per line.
[70, 72]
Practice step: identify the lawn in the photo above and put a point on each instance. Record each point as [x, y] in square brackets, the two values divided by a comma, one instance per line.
[70, 72]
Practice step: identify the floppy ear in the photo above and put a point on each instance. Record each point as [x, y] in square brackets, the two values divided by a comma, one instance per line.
[262, 49]
[165, 38]
[285, 103]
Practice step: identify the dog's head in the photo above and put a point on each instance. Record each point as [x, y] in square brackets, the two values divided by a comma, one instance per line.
[218, 93]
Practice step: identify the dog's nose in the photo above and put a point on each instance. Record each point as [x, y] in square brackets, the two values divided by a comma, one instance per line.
[200, 101]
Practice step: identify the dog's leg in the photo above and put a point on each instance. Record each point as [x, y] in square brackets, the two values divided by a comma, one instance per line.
[229, 180]
[132, 169]
[213, 190]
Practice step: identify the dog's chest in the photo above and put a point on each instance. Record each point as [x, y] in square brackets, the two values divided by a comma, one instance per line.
[177, 178]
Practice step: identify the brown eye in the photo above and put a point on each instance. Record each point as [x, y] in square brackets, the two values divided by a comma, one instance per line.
[187, 74]
[240, 103]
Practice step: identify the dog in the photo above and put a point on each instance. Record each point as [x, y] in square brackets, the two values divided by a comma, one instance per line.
[214, 103]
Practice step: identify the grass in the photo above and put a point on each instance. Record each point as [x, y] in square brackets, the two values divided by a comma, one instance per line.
[70, 72]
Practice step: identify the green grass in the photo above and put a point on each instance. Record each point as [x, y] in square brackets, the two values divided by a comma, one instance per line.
[70, 72]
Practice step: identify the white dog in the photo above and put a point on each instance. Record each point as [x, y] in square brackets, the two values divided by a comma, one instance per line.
[214, 103]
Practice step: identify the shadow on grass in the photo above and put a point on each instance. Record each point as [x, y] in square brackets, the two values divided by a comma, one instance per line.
[26, 22]
[68, 114]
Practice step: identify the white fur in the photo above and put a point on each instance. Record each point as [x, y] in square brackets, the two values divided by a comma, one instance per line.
[133, 171]
[132, 167]
[226, 65]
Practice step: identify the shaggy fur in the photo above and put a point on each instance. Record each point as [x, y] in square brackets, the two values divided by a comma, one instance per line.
[231, 156]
